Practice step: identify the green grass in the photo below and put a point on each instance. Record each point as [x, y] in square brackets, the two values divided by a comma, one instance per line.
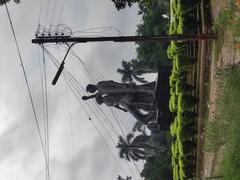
[225, 129]
[228, 19]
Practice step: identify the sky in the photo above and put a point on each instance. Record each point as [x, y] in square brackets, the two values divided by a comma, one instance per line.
[76, 149]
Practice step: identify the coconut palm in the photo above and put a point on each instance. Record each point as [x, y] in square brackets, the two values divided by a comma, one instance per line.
[121, 178]
[6, 1]
[134, 149]
[129, 72]
[121, 4]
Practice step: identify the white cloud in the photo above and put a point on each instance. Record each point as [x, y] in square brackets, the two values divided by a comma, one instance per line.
[21, 155]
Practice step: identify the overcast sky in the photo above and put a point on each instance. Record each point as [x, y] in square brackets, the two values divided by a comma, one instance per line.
[77, 151]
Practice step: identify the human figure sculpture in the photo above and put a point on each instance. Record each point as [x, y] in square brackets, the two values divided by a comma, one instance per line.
[123, 102]
[112, 87]
[127, 97]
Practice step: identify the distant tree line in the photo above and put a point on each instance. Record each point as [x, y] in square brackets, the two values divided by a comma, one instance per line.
[150, 55]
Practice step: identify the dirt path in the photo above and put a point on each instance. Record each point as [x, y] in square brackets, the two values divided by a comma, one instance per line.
[229, 53]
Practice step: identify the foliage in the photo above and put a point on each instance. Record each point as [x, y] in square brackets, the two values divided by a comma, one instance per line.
[183, 62]
[129, 72]
[183, 87]
[173, 103]
[135, 149]
[183, 127]
[121, 4]
[186, 102]
[152, 54]
[158, 167]
[228, 19]
[6, 1]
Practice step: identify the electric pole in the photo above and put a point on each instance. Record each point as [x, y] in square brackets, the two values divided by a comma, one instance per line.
[69, 39]
[74, 40]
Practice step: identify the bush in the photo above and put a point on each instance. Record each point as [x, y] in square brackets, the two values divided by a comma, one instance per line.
[183, 87]
[186, 148]
[176, 172]
[184, 121]
[183, 63]
[173, 103]
[185, 134]
[175, 48]
[186, 102]
[172, 90]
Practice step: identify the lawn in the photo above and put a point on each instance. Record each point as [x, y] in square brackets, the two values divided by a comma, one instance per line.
[224, 131]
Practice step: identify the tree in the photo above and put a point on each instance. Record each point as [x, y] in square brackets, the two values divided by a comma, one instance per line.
[129, 73]
[121, 4]
[134, 149]
[158, 167]
[2, 2]
[121, 178]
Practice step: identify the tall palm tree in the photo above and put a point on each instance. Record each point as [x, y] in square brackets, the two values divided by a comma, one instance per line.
[2, 2]
[134, 149]
[121, 178]
[129, 73]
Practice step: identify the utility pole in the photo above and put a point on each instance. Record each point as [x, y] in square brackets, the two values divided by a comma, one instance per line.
[74, 40]
[69, 39]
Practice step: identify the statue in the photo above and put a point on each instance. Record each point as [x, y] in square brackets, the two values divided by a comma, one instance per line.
[126, 97]
[127, 103]
[112, 87]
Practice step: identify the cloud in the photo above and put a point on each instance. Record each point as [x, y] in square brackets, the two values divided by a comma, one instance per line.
[20, 151]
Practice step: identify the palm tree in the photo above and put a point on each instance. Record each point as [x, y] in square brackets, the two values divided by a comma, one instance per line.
[134, 149]
[129, 72]
[2, 2]
[121, 4]
[121, 178]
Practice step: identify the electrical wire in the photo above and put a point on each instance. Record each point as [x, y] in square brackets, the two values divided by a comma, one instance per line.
[27, 84]
[74, 79]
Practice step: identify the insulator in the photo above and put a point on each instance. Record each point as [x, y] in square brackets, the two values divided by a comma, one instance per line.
[49, 34]
[56, 34]
[62, 34]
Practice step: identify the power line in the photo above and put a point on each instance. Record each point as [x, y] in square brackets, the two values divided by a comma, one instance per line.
[69, 78]
[26, 81]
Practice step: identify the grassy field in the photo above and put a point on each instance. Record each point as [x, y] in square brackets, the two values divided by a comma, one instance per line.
[224, 131]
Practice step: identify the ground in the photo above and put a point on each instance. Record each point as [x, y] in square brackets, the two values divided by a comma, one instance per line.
[225, 50]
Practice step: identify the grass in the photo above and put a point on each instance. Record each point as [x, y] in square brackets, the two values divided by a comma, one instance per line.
[224, 130]
[228, 19]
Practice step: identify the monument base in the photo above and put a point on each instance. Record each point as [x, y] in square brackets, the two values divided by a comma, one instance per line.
[162, 96]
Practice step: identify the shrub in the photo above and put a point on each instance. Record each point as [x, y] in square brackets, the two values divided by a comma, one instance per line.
[185, 134]
[173, 103]
[172, 90]
[186, 168]
[181, 25]
[184, 62]
[183, 87]
[186, 102]
[176, 172]
[185, 120]
[175, 48]
[172, 80]
[186, 148]
[172, 132]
